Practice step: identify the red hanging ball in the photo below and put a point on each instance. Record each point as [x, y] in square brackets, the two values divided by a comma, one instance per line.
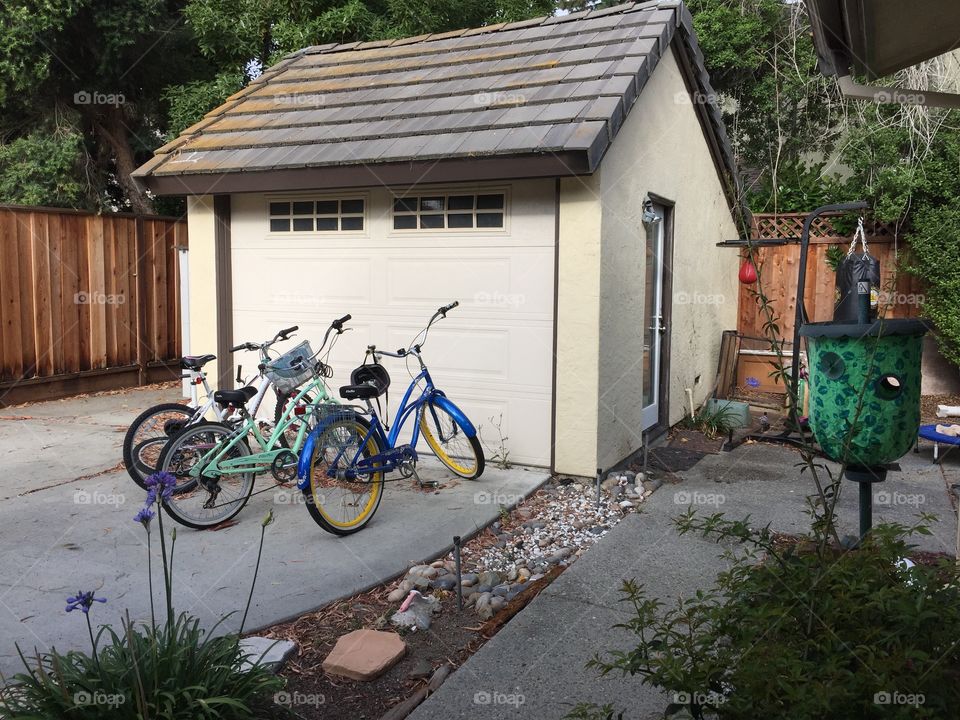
[748, 273]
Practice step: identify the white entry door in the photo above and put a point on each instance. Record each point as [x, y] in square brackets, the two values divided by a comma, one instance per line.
[653, 315]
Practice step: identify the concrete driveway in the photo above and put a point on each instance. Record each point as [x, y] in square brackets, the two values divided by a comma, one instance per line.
[60, 534]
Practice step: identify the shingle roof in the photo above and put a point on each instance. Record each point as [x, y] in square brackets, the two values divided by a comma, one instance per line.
[548, 94]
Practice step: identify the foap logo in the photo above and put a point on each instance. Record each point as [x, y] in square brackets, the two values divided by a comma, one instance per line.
[498, 299]
[696, 98]
[886, 497]
[85, 497]
[293, 496]
[895, 697]
[95, 297]
[295, 99]
[899, 298]
[699, 298]
[290, 699]
[85, 698]
[495, 97]
[88, 97]
[686, 497]
[485, 497]
[699, 698]
[894, 95]
[492, 697]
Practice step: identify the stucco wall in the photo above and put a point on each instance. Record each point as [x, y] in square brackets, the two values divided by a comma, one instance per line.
[202, 285]
[578, 326]
[660, 149]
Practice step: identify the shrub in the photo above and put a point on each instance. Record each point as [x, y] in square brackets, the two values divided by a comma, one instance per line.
[804, 632]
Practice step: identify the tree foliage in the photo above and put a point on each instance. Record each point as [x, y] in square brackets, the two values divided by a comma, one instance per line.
[117, 78]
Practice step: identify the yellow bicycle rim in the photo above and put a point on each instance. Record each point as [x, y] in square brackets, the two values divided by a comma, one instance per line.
[375, 484]
[453, 463]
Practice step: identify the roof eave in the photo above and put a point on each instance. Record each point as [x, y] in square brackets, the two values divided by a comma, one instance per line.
[513, 167]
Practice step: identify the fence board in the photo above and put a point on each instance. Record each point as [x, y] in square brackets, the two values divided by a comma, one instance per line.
[83, 293]
[779, 264]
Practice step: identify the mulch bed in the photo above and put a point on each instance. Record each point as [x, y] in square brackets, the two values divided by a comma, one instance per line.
[452, 638]
[928, 408]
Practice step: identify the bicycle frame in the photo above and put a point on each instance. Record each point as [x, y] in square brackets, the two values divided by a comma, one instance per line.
[388, 460]
[214, 464]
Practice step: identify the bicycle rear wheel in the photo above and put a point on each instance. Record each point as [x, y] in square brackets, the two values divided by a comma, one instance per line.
[450, 443]
[338, 505]
[208, 500]
[147, 436]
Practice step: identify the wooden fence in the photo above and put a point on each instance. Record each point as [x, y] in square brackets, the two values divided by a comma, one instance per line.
[87, 302]
[780, 263]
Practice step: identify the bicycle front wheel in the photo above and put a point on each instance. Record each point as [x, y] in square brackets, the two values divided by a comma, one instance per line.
[338, 505]
[147, 436]
[208, 500]
[450, 443]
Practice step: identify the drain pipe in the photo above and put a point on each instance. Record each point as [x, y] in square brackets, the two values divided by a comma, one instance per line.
[689, 392]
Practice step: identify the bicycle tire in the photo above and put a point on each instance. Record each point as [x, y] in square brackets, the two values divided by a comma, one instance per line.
[455, 461]
[171, 461]
[137, 466]
[355, 424]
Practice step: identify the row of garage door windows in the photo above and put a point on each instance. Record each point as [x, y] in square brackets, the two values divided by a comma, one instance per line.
[426, 212]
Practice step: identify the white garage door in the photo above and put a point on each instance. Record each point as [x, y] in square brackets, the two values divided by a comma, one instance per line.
[492, 355]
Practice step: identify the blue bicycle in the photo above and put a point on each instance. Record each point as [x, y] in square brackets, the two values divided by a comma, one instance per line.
[344, 460]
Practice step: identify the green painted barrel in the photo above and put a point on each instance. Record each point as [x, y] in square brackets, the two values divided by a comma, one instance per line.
[884, 356]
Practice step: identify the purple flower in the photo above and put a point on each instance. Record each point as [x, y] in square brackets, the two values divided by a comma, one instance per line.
[159, 485]
[804, 374]
[144, 516]
[83, 601]
[753, 382]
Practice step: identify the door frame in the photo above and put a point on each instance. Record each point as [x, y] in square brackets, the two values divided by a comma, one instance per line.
[662, 425]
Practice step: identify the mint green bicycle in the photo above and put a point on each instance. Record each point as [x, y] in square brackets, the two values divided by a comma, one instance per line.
[214, 464]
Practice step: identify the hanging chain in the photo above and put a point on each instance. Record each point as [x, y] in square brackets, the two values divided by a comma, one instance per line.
[862, 235]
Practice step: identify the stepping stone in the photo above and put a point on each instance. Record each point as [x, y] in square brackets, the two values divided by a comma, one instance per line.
[268, 652]
[365, 654]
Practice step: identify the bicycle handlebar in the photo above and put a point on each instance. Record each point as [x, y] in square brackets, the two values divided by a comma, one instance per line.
[285, 334]
[447, 308]
[338, 324]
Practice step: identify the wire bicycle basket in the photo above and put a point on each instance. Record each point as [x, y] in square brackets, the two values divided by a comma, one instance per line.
[291, 369]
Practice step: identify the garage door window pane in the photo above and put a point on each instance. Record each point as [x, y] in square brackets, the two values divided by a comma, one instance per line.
[460, 202]
[303, 224]
[404, 222]
[489, 202]
[490, 220]
[405, 204]
[351, 223]
[327, 207]
[303, 208]
[279, 225]
[431, 222]
[351, 207]
[431, 204]
[279, 208]
[460, 220]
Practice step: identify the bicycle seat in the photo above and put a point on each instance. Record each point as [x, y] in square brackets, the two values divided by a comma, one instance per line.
[237, 398]
[359, 392]
[195, 362]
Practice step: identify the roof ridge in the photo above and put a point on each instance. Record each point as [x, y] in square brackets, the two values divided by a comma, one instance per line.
[330, 48]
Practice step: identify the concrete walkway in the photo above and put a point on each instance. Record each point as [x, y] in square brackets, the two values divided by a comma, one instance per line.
[534, 667]
[59, 535]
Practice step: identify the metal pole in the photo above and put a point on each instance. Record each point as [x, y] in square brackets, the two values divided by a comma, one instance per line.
[456, 559]
[599, 475]
[866, 508]
[801, 315]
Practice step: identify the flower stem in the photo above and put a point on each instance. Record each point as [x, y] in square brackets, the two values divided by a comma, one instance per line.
[256, 571]
[153, 614]
[93, 644]
[166, 570]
